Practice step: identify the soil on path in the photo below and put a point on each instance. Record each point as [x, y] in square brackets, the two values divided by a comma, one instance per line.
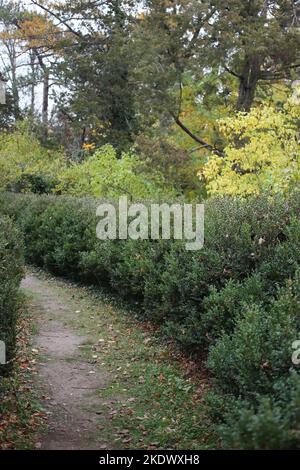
[70, 383]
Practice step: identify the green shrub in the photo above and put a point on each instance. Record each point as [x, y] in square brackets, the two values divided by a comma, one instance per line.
[240, 238]
[11, 272]
[248, 250]
[94, 264]
[220, 310]
[273, 423]
[13, 205]
[54, 233]
[258, 352]
[223, 308]
[238, 298]
[29, 221]
[64, 225]
[37, 183]
[285, 259]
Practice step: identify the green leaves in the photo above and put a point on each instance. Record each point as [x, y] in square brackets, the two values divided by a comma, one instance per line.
[107, 176]
[11, 271]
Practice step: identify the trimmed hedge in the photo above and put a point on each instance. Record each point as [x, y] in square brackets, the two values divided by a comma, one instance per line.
[237, 299]
[11, 272]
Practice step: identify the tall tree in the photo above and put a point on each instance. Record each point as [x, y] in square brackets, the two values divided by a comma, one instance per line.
[95, 69]
[249, 42]
[255, 41]
[40, 38]
[168, 41]
[125, 63]
[11, 50]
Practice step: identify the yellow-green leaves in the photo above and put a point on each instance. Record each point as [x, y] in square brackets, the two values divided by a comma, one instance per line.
[262, 152]
[106, 175]
[21, 154]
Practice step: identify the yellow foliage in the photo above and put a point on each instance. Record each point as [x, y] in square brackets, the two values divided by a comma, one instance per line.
[89, 147]
[35, 31]
[262, 152]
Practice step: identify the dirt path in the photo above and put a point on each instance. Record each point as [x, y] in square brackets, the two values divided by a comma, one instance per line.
[69, 382]
[106, 380]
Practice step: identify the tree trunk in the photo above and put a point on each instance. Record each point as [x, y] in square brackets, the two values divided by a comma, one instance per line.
[33, 83]
[15, 91]
[12, 55]
[248, 83]
[45, 103]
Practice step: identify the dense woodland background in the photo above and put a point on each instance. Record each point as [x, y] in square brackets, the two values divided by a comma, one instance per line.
[189, 97]
[166, 100]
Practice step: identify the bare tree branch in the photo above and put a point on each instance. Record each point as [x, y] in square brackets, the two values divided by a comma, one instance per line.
[204, 144]
[233, 73]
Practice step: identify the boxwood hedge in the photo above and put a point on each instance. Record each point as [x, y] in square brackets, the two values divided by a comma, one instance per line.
[237, 300]
[11, 272]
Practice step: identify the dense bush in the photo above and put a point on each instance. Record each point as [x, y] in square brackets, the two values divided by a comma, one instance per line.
[272, 423]
[11, 271]
[250, 248]
[258, 352]
[25, 165]
[237, 299]
[34, 183]
[222, 308]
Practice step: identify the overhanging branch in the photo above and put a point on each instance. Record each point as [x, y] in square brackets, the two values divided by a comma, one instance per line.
[232, 72]
[197, 139]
